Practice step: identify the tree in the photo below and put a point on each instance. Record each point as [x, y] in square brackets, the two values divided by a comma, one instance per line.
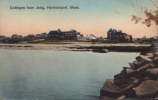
[150, 16]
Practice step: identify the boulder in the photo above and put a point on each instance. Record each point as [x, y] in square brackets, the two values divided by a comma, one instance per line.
[133, 65]
[150, 55]
[140, 80]
[153, 71]
[138, 63]
[155, 61]
[110, 87]
[146, 88]
[146, 66]
[126, 77]
[155, 98]
[112, 90]
[129, 71]
[121, 79]
[121, 97]
[144, 58]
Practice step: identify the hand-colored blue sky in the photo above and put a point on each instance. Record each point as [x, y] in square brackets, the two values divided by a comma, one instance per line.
[94, 16]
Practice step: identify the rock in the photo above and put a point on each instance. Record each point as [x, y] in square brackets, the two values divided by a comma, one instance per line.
[145, 67]
[139, 63]
[129, 71]
[156, 98]
[121, 97]
[121, 79]
[147, 88]
[145, 58]
[133, 65]
[110, 87]
[155, 61]
[150, 55]
[125, 78]
[153, 71]
[140, 80]
[112, 90]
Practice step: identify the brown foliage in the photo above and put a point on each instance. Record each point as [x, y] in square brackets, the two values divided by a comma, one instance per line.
[136, 19]
[150, 17]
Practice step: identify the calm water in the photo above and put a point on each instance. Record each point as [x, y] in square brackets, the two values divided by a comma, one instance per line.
[57, 75]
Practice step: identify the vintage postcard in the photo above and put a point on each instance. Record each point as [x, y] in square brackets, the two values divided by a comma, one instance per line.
[78, 49]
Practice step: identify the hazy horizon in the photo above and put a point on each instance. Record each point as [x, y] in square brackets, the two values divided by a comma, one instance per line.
[93, 17]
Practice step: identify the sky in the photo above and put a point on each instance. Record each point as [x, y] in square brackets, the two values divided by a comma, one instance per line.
[93, 17]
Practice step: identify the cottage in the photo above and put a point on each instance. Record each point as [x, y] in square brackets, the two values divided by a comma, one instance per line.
[80, 36]
[62, 35]
[118, 36]
[91, 37]
[2, 38]
[44, 35]
[16, 38]
[30, 37]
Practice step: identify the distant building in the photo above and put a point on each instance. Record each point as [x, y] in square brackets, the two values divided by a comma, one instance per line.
[38, 36]
[62, 35]
[16, 38]
[80, 36]
[41, 36]
[91, 37]
[118, 36]
[30, 37]
[2, 38]
[101, 39]
[44, 35]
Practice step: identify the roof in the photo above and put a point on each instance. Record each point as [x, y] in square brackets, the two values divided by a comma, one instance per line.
[60, 32]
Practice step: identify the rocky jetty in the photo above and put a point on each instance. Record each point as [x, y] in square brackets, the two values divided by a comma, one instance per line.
[140, 80]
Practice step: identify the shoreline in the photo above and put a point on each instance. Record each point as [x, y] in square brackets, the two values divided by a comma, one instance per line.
[138, 80]
[79, 46]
